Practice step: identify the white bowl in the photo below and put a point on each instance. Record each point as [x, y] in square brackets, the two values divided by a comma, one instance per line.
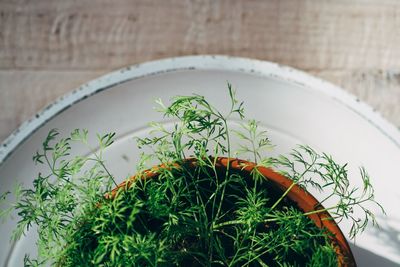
[294, 107]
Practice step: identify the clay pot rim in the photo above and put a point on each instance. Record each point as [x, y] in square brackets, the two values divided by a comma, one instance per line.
[304, 200]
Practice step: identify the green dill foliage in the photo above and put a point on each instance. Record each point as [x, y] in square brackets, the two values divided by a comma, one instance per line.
[190, 212]
[60, 199]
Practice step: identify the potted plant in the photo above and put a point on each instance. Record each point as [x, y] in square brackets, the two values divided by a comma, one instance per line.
[199, 205]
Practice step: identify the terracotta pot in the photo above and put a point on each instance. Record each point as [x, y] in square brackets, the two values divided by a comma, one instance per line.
[304, 200]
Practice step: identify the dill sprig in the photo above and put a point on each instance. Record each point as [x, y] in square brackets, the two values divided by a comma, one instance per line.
[191, 212]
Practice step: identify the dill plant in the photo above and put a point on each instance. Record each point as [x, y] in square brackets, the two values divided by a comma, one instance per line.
[186, 211]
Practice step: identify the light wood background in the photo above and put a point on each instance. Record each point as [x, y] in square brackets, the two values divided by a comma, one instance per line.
[49, 47]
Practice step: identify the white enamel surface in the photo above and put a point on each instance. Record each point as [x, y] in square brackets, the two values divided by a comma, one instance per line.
[294, 107]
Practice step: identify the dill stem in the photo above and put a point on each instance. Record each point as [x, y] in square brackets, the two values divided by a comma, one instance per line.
[104, 167]
[53, 171]
[227, 165]
[233, 222]
[254, 149]
[293, 184]
[236, 222]
[254, 231]
[283, 195]
[261, 254]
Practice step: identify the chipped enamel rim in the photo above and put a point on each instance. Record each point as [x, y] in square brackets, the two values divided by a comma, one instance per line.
[207, 62]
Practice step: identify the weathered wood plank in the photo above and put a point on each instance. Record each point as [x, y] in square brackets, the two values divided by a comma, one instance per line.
[108, 34]
[380, 89]
[48, 47]
[23, 93]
